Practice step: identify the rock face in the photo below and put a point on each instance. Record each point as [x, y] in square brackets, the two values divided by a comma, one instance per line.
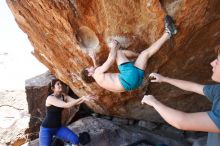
[37, 90]
[52, 25]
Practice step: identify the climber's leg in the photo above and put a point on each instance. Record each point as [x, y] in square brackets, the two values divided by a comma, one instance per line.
[142, 59]
[121, 58]
[129, 53]
[170, 30]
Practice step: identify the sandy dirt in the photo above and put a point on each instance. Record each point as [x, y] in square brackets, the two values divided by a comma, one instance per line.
[16, 98]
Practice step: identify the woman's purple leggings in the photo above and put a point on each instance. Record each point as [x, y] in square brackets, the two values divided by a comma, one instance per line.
[46, 135]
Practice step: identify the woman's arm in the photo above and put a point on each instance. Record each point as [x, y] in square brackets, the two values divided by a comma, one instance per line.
[70, 99]
[59, 103]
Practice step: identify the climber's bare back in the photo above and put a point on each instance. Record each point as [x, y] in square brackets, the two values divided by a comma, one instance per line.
[109, 81]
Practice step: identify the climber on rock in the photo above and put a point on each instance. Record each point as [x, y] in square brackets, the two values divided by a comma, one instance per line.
[130, 74]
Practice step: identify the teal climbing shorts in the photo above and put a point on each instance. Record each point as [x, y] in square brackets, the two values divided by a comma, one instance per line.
[130, 76]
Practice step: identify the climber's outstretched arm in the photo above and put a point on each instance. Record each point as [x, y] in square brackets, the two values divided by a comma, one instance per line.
[114, 46]
[93, 55]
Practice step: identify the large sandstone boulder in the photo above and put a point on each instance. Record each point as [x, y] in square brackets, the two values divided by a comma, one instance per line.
[51, 27]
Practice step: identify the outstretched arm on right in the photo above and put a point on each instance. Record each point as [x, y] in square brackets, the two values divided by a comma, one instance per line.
[184, 85]
[182, 120]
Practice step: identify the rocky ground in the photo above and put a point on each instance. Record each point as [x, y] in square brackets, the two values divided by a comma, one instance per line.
[162, 133]
[15, 62]
[15, 134]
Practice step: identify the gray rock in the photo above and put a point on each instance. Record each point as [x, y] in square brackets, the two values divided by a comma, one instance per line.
[106, 133]
[131, 122]
[148, 125]
[171, 132]
[202, 141]
[120, 121]
[106, 117]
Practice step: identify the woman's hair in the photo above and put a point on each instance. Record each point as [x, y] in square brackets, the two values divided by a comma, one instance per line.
[52, 85]
[53, 82]
[217, 49]
[85, 76]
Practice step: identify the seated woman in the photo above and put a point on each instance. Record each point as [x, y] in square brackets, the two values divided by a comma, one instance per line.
[51, 125]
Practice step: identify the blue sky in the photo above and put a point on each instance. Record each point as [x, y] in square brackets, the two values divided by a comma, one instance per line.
[16, 61]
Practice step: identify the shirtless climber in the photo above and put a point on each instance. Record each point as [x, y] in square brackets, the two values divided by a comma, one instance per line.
[130, 74]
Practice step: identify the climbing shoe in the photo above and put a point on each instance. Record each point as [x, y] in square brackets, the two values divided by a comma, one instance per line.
[170, 27]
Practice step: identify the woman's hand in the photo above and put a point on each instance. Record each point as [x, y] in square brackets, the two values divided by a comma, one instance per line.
[89, 98]
[155, 77]
[149, 99]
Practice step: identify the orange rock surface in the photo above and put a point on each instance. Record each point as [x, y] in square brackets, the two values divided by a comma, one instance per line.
[52, 25]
